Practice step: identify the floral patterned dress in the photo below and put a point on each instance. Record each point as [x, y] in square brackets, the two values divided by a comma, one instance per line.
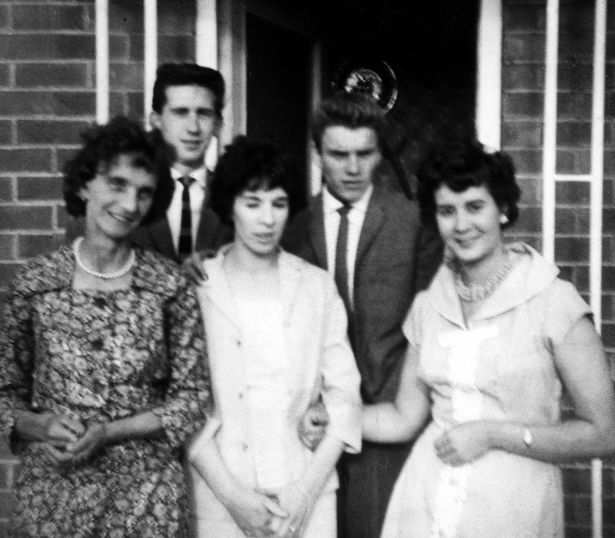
[102, 356]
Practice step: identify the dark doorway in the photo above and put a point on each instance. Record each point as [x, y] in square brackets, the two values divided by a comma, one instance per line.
[278, 91]
[431, 47]
[429, 44]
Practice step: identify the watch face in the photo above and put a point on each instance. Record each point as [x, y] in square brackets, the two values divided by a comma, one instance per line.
[527, 437]
[371, 77]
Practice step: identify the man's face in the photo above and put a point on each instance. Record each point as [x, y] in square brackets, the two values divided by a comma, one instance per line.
[187, 123]
[349, 159]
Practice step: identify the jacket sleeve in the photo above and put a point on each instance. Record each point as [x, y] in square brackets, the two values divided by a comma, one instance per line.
[188, 394]
[16, 360]
[428, 257]
[340, 377]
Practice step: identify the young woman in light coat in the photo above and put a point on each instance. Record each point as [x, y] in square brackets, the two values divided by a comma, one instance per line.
[276, 333]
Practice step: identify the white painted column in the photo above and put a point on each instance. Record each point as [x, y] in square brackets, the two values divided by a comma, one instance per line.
[489, 74]
[550, 131]
[150, 53]
[595, 264]
[206, 53]
[102, 61]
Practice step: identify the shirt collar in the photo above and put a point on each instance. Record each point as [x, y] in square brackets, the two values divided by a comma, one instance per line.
[199, 174]
[331, 203]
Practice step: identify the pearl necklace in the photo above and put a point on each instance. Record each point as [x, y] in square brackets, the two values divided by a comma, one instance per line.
[477, 292]
[106, 276]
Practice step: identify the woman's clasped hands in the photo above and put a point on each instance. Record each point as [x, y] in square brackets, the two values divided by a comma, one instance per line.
[67, 442]
[263, 513]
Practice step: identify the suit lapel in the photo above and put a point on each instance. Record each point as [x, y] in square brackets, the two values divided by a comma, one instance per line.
[207, 231]
[374, 219]
[160, 235]
[316, 231]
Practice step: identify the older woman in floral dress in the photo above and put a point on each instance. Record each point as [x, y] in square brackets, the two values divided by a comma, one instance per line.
[102, 377]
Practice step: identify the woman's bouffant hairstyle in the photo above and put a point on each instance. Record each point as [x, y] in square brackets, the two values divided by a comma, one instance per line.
[463, 165]
[248, 164]
[102, 145]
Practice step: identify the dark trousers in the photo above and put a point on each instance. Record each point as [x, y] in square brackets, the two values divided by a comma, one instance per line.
[366, 483]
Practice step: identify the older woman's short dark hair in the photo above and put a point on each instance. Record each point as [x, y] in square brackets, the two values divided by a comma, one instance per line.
[102, 145]
[248, 164]
[464, 165]
[351, 110]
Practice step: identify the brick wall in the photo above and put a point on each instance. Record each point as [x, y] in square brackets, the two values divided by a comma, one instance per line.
[47, 96]
[522, 131]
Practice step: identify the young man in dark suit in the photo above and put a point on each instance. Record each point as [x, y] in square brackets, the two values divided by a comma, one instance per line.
[371, 240]
[187, 112]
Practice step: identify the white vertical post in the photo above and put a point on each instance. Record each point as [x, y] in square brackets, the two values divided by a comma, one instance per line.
[597, 171]
[150, 52]
[102, 61]
[550, 131]
[206, 53]
[206, 33]
[489, 73]
[597, 161]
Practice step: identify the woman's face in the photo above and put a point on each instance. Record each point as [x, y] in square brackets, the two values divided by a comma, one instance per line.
[469, 223]
[260, 217]
[118, 199]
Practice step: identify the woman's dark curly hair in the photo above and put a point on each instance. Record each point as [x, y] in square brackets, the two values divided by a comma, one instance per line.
[465, 165]
[248, 164]
[103, 144]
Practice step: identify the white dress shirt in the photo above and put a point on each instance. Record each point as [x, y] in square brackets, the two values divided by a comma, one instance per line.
[356, 216]
[197, 197]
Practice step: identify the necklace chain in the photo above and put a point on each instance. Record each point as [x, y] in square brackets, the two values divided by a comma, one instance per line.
[105, 276]
[477, 292]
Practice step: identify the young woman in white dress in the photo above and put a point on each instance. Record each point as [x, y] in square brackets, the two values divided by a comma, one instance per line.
[494, 343]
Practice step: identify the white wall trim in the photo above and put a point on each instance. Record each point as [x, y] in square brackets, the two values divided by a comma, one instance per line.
[102, 61]
[206, 53]
[150, 53]
[489, 73]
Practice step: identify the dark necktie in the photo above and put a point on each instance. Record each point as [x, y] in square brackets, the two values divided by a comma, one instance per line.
[184, 247]
[341, 257]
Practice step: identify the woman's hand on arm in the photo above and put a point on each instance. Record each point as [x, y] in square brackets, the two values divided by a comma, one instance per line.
[313, 425]
[399, 421]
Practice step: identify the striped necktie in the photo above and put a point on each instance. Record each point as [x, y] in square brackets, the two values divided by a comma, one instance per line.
[184, 246]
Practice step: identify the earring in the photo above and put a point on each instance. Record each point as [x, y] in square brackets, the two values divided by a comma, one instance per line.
[503, 219]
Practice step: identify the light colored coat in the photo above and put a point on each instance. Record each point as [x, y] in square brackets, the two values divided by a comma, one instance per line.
[319, 362]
